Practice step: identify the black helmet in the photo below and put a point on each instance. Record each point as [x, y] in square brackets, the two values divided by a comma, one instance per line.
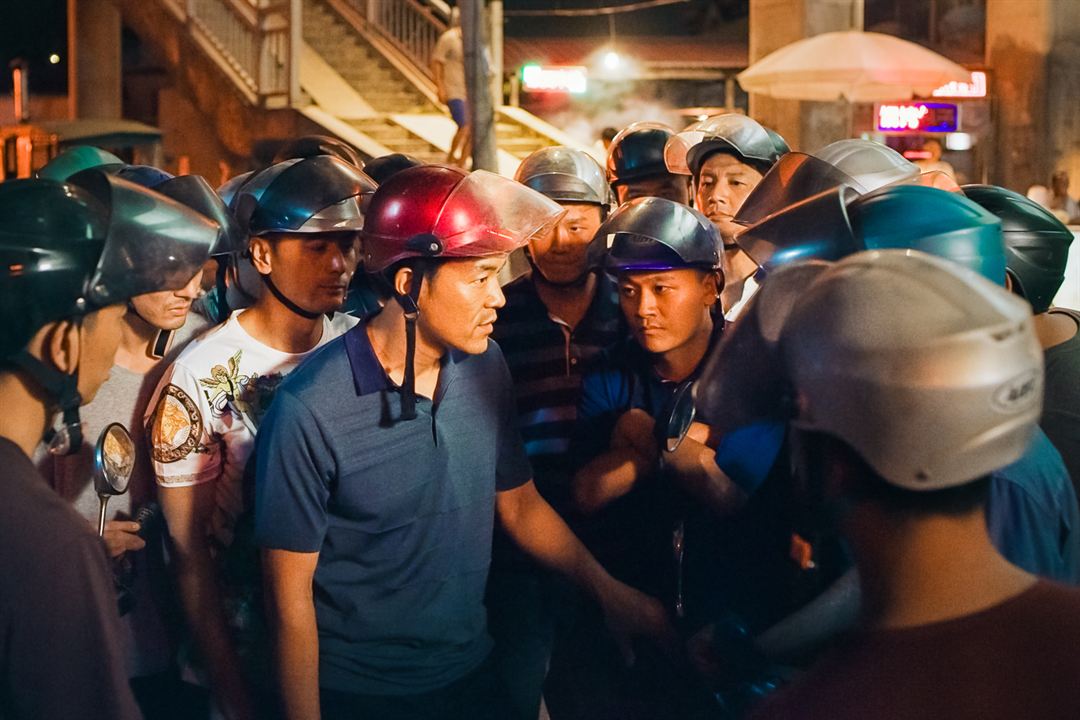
[637, 153]
[306, 195]
[566, 176]
[146, 175]
[1036, 242]
[732, 133]
[76, 159]
[313, 145]
[657, 234]
[381, 168]
[67, 250]
[795, 177]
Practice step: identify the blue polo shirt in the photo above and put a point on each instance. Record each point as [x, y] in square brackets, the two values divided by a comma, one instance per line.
[400, 512]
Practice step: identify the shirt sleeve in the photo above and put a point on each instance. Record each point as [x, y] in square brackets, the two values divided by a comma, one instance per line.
[748, 454]
[64, 641]
[513, 468]
[442, 47]
[605, 395]
[183, 446]
[293, 472]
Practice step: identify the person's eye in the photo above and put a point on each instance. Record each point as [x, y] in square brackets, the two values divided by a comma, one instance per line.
[627, 291]
[660, 289]
[318, 247]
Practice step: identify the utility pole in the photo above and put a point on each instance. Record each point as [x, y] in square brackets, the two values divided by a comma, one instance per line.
[478, 86]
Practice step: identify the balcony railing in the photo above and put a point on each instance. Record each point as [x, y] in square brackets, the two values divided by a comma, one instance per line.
[254, 41]
[411, 27]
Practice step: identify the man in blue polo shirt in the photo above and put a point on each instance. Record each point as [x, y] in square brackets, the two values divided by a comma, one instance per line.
[384, 459]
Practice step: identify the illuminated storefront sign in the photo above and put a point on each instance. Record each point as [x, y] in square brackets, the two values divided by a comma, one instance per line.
[927, 117]
[569, 79]
[975, 88]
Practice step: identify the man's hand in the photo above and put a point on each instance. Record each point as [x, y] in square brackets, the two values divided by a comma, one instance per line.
[630, 614]
[701, 433]
[703, 655]
[635, 429]
[121, 536]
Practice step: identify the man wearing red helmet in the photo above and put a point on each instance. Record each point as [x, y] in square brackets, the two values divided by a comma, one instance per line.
[385, 458]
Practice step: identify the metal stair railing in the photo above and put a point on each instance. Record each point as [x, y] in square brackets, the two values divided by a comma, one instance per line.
[256, 43]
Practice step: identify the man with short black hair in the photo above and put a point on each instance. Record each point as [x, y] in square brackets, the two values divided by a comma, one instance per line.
[72, 255]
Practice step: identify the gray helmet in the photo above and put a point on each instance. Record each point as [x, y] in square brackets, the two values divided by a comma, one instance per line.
[566, 175]
[657, 234]
[963, 400]
[732, 133]
[1036, 242]
[869, 164]
[794, 178]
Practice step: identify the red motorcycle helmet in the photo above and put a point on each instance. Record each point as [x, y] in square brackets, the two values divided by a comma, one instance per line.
[437, 211]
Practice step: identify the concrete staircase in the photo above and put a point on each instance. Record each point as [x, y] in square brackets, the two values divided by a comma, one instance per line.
[399, 117]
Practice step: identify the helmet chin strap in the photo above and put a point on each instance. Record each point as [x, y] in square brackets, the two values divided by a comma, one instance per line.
[286, 301]
[64, 388]
[412, 312]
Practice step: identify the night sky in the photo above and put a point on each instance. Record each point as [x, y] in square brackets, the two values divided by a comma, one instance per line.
[34, 29]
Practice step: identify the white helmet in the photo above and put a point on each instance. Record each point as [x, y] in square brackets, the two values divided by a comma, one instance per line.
[932, 373]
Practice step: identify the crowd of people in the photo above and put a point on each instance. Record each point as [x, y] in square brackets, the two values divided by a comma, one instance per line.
[720, 430]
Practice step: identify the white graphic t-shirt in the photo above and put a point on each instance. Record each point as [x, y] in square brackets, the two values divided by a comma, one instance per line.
[207, 409]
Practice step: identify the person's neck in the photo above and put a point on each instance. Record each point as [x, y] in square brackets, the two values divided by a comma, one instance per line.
[136, 337]
[26, 416]
[276, 326]
[568, 303]
[679, 363]
[386, 332]
[917, 571]
[1054, 329]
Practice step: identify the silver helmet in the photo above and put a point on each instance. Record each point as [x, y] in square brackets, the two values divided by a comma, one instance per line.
[870, 164]
[932, 373]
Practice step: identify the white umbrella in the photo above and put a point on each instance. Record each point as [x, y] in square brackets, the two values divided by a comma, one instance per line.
[851, 65]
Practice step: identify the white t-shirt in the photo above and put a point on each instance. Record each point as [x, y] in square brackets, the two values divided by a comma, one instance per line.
[450, 52]
[207, 409]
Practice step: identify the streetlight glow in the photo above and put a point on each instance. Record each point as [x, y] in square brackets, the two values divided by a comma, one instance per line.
[54, 59]
[612, 60]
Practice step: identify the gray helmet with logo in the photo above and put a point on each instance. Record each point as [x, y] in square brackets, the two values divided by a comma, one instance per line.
[566, 175]
[652, 233]
[963, 402]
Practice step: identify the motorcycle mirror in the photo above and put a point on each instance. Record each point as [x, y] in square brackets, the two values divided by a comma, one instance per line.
[114, 461]
[679, 415]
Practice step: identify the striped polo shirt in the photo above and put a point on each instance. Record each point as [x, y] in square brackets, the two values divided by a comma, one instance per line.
[547, 360]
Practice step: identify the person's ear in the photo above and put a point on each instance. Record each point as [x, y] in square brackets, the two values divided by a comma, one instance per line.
[713, 283]
[260, 249]
[403, 280]
[1008, 282]
[62, 345]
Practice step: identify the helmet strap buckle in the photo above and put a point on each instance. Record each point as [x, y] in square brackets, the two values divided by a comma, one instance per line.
[64, 388]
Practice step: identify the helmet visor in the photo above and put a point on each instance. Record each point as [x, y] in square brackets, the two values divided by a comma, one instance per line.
[487, 214]
[316, 194]
[816, 228]
[194, 192]
[154, 243]
[678, 147]
[795, 177]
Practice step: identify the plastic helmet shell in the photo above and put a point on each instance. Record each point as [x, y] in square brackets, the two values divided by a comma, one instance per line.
[195, 192]
[870, 164]
[966, 394]
[735, 134]
[381, 168]
[228, 190]
[314, 145]
[794, 178]
[436, 211]
[75, 159]
[934, 221]
[307, 195]
[67, 250]
[637, 153]
[146, 175]
[657, 234]
[566, 175]
[1036, 242]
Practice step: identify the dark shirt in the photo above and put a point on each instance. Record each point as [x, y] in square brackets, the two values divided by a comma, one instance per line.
[1017, 659]
[400, 512]
[59, 626]
[1061, 407]
[547, 360]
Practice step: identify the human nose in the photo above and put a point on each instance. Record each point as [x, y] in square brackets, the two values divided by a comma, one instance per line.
[496, 298]
[646, 304]
[192, 290]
